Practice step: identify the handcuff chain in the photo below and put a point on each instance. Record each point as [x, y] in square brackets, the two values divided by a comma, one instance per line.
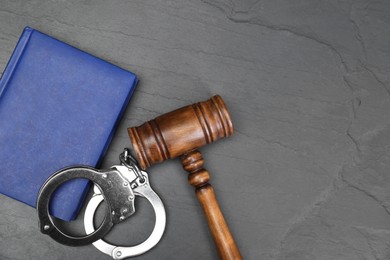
[130, 162]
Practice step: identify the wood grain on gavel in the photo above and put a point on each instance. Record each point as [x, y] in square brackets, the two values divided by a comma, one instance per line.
[181, 133]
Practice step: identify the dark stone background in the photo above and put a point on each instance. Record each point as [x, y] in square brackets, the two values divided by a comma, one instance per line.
[306, 175]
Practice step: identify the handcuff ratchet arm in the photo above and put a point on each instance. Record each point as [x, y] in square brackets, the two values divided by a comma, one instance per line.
[141, 187]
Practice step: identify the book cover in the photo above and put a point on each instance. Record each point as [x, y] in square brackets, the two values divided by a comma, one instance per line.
[59, 106]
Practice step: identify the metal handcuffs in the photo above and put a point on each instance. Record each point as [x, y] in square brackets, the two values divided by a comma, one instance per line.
[118, 186]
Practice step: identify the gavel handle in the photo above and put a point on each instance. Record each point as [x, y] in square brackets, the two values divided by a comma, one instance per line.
[199, 177]
[223, 239]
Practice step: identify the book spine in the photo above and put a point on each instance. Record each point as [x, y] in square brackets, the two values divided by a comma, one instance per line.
[15, 57]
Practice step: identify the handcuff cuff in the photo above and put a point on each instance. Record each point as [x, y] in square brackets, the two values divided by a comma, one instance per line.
[118, 187]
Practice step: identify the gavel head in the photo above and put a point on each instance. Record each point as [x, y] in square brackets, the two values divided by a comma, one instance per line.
[181, 131]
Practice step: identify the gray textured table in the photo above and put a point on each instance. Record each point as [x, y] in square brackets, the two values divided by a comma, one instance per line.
[307, 173]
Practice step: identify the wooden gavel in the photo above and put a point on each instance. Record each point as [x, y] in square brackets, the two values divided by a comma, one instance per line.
[181, 133]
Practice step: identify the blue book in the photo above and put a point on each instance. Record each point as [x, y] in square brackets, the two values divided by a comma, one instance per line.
[59, 106]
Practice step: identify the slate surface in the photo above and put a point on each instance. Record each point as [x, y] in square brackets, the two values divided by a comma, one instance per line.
[307, 173]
